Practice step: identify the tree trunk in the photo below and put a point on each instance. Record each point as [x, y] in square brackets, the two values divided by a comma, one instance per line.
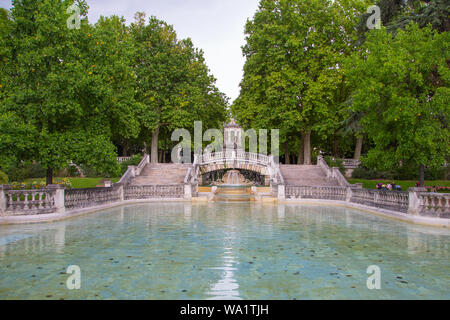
[301, 152]
[358, 148]
[307, 148]
[422, 176]
[125, 149]
[336, 146]
[49, 177]
[154, 148]
[286, 153]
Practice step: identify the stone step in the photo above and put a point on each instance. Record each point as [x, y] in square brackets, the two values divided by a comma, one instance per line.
[162, 174]
[306, 175]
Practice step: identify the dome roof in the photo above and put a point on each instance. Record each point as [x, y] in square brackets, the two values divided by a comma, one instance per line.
[232, 124]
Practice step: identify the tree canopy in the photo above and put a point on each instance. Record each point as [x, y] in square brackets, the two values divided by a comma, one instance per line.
[69, 94]
[401, 84]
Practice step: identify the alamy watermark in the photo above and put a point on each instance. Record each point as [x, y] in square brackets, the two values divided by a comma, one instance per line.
[374, 280]
[374, 21]
[74, 21]
[74, 281]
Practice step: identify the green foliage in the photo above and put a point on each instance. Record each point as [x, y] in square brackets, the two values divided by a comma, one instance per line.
[175, 87]
[366, 173]
[25, 170]
[134, 161]
[72, 94]
[401, 87]
[3, 178]
[292, 80]
[337, 163]
[397, 14]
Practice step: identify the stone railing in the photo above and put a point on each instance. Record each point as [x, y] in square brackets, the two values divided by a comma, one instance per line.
[123, 159]
[389, 200]
[84, 198]
[332, 173]
[350, 163]
[57, 200]
[324, 193]
[233, 155]
[29, 202]
[154, 192]
[134, 171]
[434, 204]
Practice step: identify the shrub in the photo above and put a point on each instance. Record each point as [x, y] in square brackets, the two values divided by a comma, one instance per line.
[3, 178]
[366, 173]
[23, 170]
[338, 163]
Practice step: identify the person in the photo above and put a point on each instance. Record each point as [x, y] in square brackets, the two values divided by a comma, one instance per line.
[379, 185]
[398, 188]
[389, 187]
[417, 184]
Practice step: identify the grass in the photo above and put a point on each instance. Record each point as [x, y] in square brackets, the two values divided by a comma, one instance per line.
[405, 184]
[80, 183]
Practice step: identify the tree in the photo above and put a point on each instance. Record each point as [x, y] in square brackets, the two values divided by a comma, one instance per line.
[402, 87]
[174, 85]
[54, 95]
[292, 75]
[114, 53]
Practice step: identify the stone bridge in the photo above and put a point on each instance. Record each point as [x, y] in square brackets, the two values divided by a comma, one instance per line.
[236, 159]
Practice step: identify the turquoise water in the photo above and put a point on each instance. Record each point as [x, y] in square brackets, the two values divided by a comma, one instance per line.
[224, 251]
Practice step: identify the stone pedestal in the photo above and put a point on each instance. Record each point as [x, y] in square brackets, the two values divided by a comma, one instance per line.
[187, 191]
[414, 200]
[281, 192]
[58, 197]
[3, 200]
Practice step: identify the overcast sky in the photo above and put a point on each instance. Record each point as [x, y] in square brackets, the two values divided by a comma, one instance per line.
[216, 26]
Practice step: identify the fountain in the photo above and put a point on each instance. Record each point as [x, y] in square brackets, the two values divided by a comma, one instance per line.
[233, 187]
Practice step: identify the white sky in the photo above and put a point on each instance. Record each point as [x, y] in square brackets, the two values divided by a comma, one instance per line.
[216, 26]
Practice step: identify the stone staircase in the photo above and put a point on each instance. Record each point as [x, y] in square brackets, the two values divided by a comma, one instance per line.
[161, 174]
[306, 175]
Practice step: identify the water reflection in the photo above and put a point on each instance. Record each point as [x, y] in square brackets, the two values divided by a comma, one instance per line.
[225, 251]
[227, 288]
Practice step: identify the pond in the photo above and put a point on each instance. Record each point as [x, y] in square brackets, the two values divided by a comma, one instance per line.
[224, 251]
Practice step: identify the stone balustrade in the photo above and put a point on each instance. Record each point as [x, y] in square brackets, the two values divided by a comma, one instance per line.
[55, 199]
[324, 193]
[351, 163]
[30, 202]
[390, 200]
[233, 155]
[434, 204]
[123, 159]
[154, 192]
[84, 198]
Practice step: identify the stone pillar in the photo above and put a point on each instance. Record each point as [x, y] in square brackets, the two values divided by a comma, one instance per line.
[120, 190]
[348, 197]
[267, 180]
[188, 191]
[414, 200]
[3, 199]
[58, 196]
[281, 192]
